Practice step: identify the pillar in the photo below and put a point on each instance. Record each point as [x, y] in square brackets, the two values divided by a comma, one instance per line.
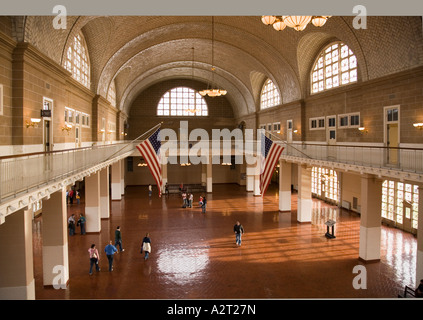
[164, 174]
[116, 181]
[370, 220]
[209, 176]
[304, 194]
[419, 264]
[256, 185]
[284, 186]
[250, 178]
[16, 257]
[104, 193]
[122, 176]
[55, 239]
[92, 202]
[203, 174]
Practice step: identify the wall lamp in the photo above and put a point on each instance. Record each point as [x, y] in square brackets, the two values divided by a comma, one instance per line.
[33, 123]
[363, 130]
[67, 127]
[418, 125]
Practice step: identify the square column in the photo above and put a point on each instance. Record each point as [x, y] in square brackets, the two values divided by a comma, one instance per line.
[203, 174]
[419, 264]
[370, 220]
[16, 257]
[122, 177]
[92, 202]
[250, 178]
[55, 240]
[284, 186]
[209, 176]
[104, 193]
[304, 194]
[116, 181]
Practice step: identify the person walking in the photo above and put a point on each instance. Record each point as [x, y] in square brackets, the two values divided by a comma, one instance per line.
[118, 239]
[184, 199]
[71, 193]
[166, 189]
[150, 190]
[94, 258]
[78, 197]
[146, 245]
[203, 206]
[239, 231]
[81, 223]
[71, 224]
[110, 250]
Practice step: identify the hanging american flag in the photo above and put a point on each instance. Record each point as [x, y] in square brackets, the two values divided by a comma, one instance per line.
[270, 153]
[150, 150]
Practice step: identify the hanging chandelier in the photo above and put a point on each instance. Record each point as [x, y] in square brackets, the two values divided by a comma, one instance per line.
[298, 23]
[213, 92]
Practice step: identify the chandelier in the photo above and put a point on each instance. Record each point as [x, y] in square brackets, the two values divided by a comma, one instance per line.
[211, 92]
[298, 23]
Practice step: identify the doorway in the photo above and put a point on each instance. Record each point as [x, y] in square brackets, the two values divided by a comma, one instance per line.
[289, 131]
[392, 135]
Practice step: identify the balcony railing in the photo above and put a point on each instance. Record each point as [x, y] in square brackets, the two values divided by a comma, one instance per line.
[402, 159]
[25, 172]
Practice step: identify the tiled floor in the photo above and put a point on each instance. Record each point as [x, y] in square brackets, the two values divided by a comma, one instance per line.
[194, 255]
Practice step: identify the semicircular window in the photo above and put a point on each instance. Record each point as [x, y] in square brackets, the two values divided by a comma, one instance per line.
[182, 101]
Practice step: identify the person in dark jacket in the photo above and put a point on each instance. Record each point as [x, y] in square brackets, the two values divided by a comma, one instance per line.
[204, 204]
[118, 239]
[146, 246]
[239, 230]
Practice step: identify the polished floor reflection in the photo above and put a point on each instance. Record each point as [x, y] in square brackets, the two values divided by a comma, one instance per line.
[194, 255]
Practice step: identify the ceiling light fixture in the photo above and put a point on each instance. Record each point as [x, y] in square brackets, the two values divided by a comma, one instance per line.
[210, 91]
[298, 23]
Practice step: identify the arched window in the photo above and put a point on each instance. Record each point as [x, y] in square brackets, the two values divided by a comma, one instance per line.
[335, 66]
[111, 94]
[77, 61]
[270, 96]
[182, 101]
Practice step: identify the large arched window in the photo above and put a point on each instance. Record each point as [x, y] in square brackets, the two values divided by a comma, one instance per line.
[111, 94]
[270, 96]
[77, 61]
[182, 101]
[335, 66]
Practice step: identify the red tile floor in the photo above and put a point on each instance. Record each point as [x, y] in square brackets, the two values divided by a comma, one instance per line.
[194, 255]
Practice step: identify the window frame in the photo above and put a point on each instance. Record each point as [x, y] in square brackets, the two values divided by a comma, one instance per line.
[318, 124]
[274, 91]
[327, 69]
[77, 60]
[175, 103]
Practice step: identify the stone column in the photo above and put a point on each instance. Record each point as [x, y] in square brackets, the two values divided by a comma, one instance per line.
[250, 170]
[256, 191]
[203, 174]
[370, 220]
[122, 176]
[419, 266]
[92, 202]
[16, 257]
[55, 240]
[209, 176]
[304, 194]
[284, 186]
[116, 181]
[104, 193]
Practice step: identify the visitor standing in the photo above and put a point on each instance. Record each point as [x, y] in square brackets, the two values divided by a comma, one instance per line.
[71, 225]
[203, 206]
[150, 190]
[190, 200]
[81, 223]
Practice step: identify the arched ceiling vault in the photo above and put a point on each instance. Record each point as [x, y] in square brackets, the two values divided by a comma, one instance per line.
[137, 51]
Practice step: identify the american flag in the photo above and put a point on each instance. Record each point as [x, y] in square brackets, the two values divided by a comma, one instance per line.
[150, 150]
[270, 153]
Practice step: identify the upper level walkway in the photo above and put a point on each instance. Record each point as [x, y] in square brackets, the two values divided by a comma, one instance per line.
[26, 178]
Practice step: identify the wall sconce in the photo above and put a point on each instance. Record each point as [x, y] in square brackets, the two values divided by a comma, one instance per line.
[33, 123]
[142, 164]
[297, 132]
[418, 125]
[102, 131]
[67, 127]
[363, 130]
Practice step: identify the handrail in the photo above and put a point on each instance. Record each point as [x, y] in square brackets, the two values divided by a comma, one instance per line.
[355, 146]
[58, 151]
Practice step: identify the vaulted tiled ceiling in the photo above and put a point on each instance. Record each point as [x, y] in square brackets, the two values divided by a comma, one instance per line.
[138, 51]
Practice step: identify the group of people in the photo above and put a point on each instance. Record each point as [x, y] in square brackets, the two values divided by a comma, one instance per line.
[111, 250]
[73, 223]
[72, 194]
[188, 198]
